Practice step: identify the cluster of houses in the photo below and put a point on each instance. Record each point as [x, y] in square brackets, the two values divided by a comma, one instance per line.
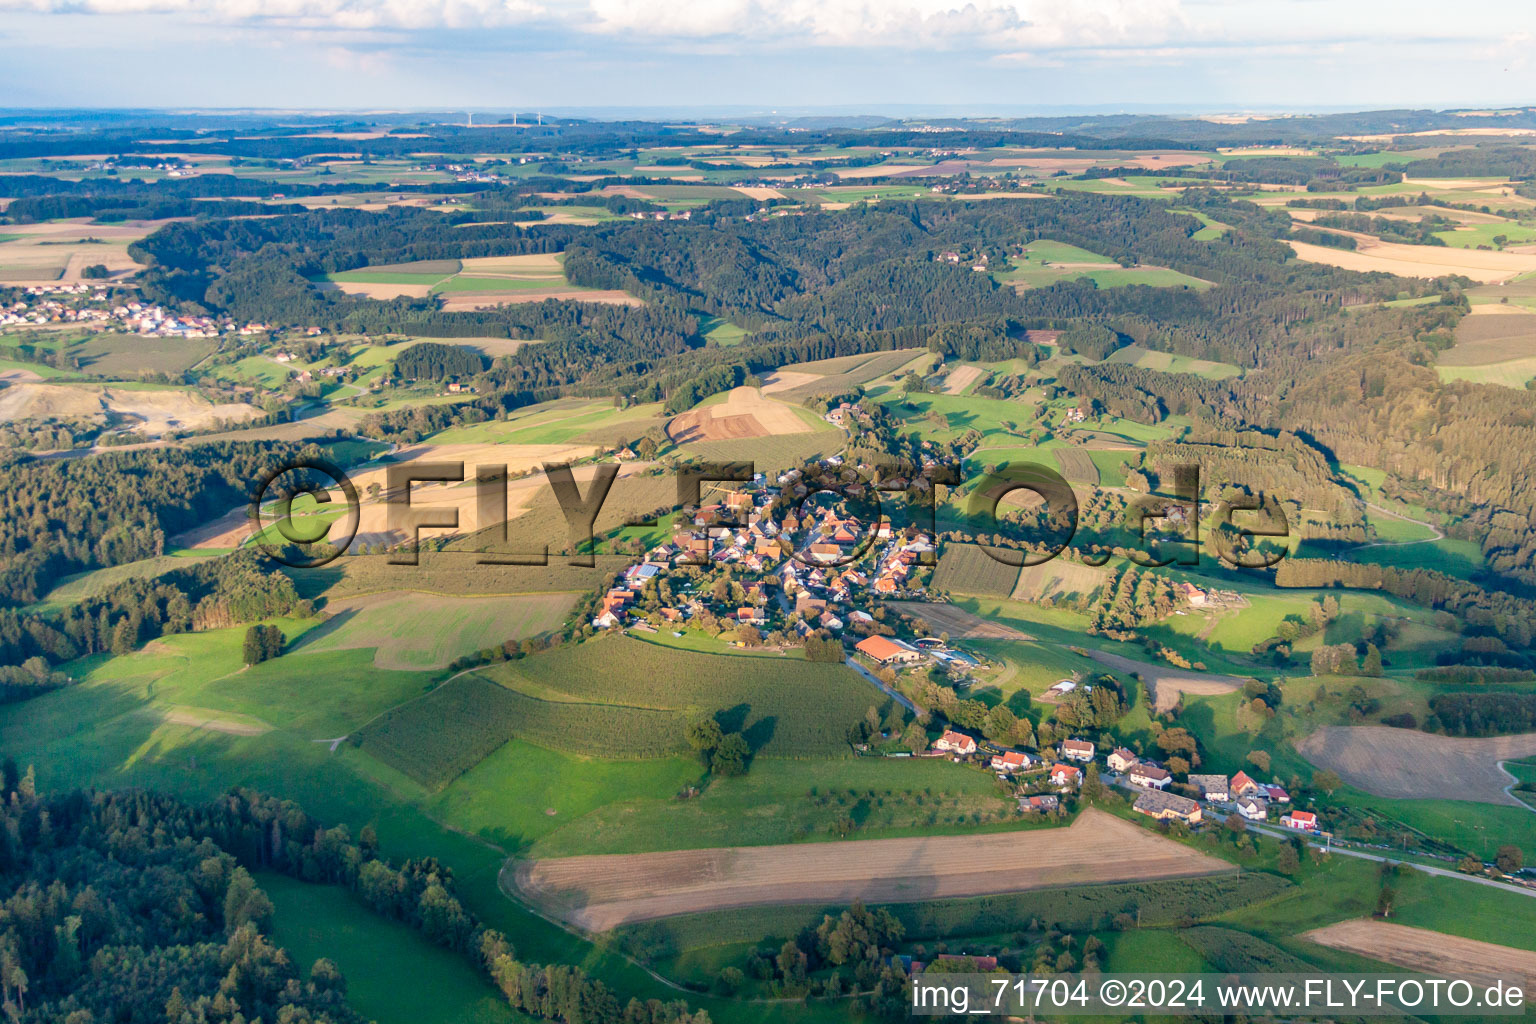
[663, 215]
[829, 570]
[66, 303]
[1250, 798]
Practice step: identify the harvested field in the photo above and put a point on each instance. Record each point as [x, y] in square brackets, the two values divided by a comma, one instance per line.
[844, 372]
[960, 378]
[1406, 763]
[1492, 339]
[1419, 260]
[758, 192]
[1434, 953]
[744, 413]
[421, 632]
[958, 622]
[1077, 466]
[1057, 578]
[382, 290]
[787, 380]
[598, 893]
[458, 302]
[1167, 684]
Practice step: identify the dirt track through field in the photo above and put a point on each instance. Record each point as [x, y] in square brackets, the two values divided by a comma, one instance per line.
[1406, 763]
[1169, 684]
[1433, 953]
[602, 892]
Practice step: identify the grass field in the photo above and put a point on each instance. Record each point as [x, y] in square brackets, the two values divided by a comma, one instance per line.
[412, 630]
[789, 707]
[394, 976]
[779, 800]
[1046, 262]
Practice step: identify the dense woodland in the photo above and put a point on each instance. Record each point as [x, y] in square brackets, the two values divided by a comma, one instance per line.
[140, 909]
[65, 515]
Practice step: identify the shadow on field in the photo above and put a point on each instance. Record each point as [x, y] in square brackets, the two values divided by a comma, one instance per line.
[322, 631]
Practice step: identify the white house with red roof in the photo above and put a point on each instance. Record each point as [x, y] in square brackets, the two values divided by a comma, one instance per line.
[955, 743]
[1302, 821]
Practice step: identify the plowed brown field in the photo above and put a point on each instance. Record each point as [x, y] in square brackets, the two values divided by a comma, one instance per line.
[599, 893]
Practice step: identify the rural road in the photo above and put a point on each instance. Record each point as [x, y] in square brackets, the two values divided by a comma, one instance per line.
[1438, 533]
[1428, 869]
[898, 698]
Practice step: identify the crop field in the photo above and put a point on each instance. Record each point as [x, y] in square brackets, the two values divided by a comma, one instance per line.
[1077, 466]
[598, 893]
[958, 622]
[438, 737]
[412, 630]
[1405, 763]
[1481, 340]
[968, 569]
[1429, 952]
[125, 356]
[394, 975]
[787, 707]
[833, 376]
[459, 573]
[564, 421]
[745, 413]
[959, 380]
[1057, 578]
[57, 251]
[1419, 260]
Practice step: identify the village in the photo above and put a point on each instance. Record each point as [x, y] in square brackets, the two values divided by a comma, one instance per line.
[91, 304]
[818, 576]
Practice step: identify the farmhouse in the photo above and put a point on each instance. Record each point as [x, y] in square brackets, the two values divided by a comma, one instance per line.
[1166, 807]
[1066, 775]
[955, 743]
[1150, 775]
[1242, 785]
[1277, 794]
[1302, 821]
[1211, 787]
[1121, 760]
[887, 651]
[1010, 761]
[1077, 750]
[1252, 808]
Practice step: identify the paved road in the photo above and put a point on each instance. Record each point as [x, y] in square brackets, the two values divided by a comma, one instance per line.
[898, 698]
[1428, 869]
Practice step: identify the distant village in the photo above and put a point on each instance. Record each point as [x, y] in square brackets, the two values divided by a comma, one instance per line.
[90, 304]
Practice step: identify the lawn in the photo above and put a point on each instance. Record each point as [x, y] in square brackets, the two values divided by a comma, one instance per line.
[394, 976]
[785, 801]
[523, 792]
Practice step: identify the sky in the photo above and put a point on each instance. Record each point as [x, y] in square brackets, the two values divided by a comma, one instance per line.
[852, 56]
